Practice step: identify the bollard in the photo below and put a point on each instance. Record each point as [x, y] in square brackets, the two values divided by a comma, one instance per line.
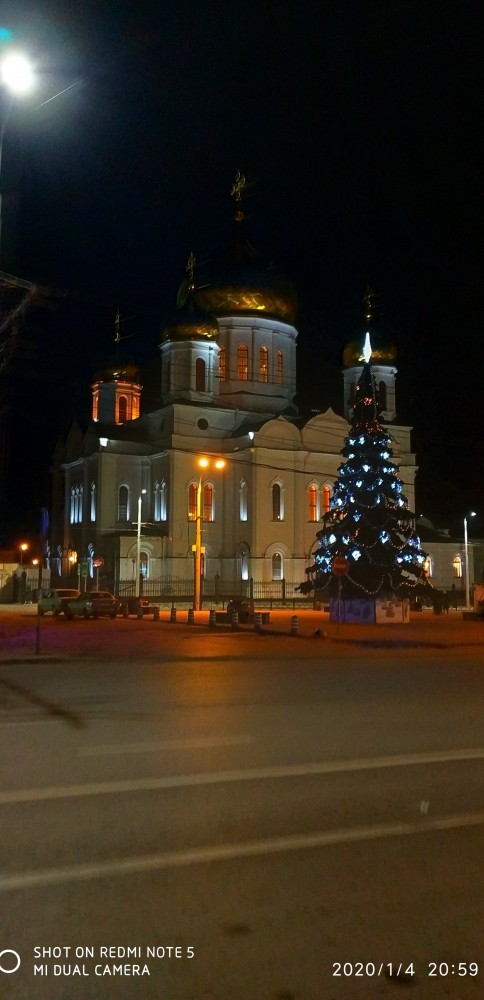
[173, 613]
[156, 615]
[139, 615]
[294, 625]
[234, 619]
[257, 621]
[191, 616]
[125, 610]
[212, 621]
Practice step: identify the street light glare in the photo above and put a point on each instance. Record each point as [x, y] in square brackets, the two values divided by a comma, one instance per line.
[17, 73]
[203, 462]
[219, 464]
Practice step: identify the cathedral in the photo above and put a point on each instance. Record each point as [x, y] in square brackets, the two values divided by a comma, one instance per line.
[131, 499]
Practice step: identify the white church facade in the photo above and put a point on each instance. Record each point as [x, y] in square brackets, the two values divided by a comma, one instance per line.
[227, 393]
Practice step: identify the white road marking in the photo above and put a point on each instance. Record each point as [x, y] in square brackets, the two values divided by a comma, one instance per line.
[227, 777]
[203, 743]
[230, 852]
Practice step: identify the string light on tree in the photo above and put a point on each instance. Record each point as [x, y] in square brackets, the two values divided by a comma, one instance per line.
[369, 522]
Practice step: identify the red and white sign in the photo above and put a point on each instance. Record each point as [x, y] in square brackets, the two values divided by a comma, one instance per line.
[98, 562]
[340, 566]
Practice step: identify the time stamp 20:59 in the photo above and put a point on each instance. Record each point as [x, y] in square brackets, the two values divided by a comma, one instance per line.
[405, 970]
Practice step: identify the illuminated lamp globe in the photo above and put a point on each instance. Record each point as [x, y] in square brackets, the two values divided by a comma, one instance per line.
[16, 73]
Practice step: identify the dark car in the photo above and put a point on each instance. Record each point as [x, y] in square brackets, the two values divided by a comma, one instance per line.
[138, 606]
[96, 604]
[57, 601]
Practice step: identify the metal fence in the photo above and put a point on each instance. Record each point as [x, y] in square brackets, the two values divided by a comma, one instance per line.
[273, 593]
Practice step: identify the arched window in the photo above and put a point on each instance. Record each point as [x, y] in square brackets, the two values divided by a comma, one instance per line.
[76, 505]
[200, 375]
[382, 395]
[244, 563]
[457, 566]
[325, 500]
[242, 363]
[280, 368]
[93, 501]
[243, 501]
[263, 364]
[277, 507]
[122, 409]
[192, 501]
[157, 503]
[123, 503]
[144, 565]
[162, 491]
[207, 502]
[222, 365]
[427, 567]
[312, 503]
[277, 566]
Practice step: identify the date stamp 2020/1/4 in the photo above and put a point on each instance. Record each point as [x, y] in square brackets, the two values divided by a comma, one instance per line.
[404, 971]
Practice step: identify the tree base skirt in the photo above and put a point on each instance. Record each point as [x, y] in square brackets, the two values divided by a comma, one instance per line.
[368, 611]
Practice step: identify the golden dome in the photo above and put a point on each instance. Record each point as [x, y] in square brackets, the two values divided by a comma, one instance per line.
[191, 323]
[381, 353]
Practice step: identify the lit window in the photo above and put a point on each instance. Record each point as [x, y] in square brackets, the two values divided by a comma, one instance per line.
[222, 365]
[277, 566]
[144, 565]
[207, 502]
[457, 566]
[93, 501]
[243, 504]
[123, 503]
[95, 405]
[122, 409]
[76, 505]
[160, 501]
[312, 504]
[242, 363]
[325, 500]
[427, 566]
[280, 368]
[244, 564]
[277, 508]
[192, 502]
[200, 375]
[263, 365]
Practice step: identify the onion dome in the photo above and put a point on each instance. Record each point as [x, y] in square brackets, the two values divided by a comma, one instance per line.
[247, 288]
[118, 372]
[383, 349]
[240, 282]
[190, 321]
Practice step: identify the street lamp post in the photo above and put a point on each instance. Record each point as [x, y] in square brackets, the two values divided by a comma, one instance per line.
[138, 545]
[23, 548]
[472, 513]
[197, 548]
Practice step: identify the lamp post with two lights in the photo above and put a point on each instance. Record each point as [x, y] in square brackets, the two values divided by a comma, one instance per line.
[204, 463]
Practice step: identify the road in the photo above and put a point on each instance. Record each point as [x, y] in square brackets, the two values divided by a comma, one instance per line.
[306, 817]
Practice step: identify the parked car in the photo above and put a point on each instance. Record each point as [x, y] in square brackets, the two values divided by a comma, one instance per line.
[138, 605]
[96, 604]
[56, 601]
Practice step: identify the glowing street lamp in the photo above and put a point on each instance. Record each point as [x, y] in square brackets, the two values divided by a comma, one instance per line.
[17, 79]
[471, 513]
[204, 463]
[23, 548]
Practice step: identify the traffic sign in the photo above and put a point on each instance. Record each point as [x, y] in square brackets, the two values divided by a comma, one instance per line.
[340, 566]
[98, 562]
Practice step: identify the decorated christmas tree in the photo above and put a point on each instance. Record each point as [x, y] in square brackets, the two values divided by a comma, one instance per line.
[369, 523]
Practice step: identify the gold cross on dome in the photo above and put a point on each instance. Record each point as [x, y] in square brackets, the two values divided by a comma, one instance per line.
[238, 186]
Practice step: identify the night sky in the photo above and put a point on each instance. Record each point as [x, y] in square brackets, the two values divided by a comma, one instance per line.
[359, 126]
